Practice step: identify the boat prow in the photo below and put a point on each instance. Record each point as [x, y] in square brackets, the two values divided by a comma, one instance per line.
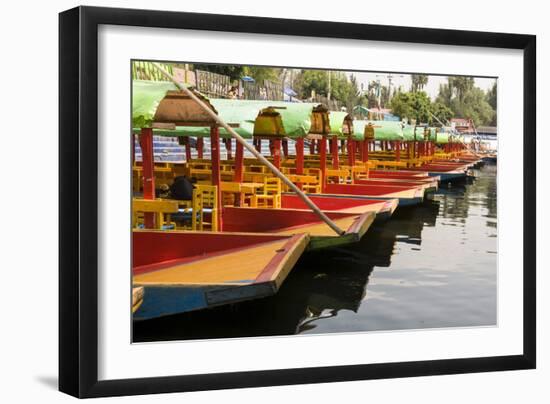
[293, 221]
[183, 271]
[407, 195]
[383, 208]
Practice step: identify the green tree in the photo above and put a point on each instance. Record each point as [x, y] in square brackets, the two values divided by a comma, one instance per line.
[491, 98]
[234, 72]
[418, 82]
[442, 112]
[412, 105]
[460, 85]
[259, 73]
[342, 88]
[465, 100]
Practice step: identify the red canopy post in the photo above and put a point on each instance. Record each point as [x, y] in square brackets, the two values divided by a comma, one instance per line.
[276, 152]
[299, 158]
[133, 151]
[200, 147]
[228, 148]
[334, 150]
[285, 147]
[322, 143]
[148, 163]
[397, 150]
[351, 152]
[239, 170]
[239, 163]
[216, 174]
[258, 145]
[187, 144]
[312, 146]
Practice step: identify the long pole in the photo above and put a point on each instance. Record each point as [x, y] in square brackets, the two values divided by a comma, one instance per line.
[253, 151]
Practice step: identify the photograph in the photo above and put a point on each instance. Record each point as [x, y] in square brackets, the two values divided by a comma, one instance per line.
[280, 200]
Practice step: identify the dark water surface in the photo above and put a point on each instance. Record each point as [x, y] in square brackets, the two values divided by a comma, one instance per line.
[429, 266]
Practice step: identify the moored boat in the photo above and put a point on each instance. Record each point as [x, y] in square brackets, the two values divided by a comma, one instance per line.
[182, 271]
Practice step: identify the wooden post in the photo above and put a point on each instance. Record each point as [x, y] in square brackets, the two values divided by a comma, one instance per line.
[216, 174]
[334, 150]
[187, 144]
[239, 163]
[366, 146]
[361, 147]
[397, 150]
[351, 152]
[258, 145]
[299, 164]
[276, 152]
[300, 156]
[312, 146]
[200, 147]
[228, 147]
[133, 151]
[285, 148]
[148, 163]
[239, 171]
[323, 161]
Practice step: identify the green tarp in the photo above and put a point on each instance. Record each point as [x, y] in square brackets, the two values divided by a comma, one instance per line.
[336, 119]
[146, 96]
[408, 133]
[383, 130]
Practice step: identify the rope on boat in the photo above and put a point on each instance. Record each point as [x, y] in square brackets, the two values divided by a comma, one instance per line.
[254, 152]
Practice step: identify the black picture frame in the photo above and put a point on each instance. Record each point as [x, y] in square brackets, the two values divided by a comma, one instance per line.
[78, 206]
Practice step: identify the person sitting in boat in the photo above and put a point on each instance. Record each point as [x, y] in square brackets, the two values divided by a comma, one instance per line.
[182, 188]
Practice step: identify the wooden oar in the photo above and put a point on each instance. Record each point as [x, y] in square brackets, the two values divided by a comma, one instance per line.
[254, 152]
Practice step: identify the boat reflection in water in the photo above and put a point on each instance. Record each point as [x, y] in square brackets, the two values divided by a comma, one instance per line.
[430, 266]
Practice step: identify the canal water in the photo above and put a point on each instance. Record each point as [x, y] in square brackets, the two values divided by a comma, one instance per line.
[429, 266]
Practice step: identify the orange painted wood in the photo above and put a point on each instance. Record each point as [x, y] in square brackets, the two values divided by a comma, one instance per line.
[239, 163]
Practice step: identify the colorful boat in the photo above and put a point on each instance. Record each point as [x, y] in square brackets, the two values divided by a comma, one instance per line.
[293, 221]
[182, 271]
[407, 195]
[382, 208]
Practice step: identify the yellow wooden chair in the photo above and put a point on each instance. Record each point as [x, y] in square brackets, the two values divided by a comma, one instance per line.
[205, 197]
[162, 208]
[270, 195]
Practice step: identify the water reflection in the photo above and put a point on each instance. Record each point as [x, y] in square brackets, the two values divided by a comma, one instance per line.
[429, 266]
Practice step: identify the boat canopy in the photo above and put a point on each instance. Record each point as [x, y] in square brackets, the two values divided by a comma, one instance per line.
[341, 124]
[408, 133]
[248, 118]
[383, 130]
[146, 96]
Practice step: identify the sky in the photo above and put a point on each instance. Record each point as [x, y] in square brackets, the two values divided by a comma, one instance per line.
[432, 88]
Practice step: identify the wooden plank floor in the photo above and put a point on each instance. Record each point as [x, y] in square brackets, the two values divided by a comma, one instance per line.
[235, 268]
[320, 229]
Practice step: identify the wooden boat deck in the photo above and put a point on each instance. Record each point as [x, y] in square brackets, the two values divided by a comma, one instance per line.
[193, 270]
[235, 267]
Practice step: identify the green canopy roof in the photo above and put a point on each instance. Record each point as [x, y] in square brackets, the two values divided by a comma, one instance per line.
[295, 117]
[388, 130]
[359, 129]
[383, 130]
[336, 119]
[408, 133]
[146, 96]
